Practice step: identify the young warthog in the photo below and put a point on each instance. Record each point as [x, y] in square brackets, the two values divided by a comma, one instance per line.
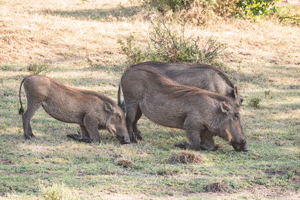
[91, 110]
[170, 104]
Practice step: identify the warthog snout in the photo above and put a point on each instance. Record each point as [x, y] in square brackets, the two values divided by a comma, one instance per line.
[240, 146]
[122, 139]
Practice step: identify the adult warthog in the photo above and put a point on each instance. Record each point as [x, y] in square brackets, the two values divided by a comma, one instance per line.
[89, 109]
[198, 75]
[170, 104]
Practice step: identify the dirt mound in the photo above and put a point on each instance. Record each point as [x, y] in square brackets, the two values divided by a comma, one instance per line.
[217, 187]
[186, 157]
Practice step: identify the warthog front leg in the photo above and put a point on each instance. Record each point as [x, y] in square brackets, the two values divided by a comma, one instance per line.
[32, 107]
[182, 145]
[91, 128]
[194, 139]
[207, 140]
[84, 135]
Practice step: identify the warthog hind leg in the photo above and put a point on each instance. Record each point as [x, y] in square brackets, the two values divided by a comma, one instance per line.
[132, 117]
[136, 131]
[32, 107]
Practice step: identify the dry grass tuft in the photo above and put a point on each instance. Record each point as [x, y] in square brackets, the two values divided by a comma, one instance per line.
[124, 163]
[217, 187]
[186, 157]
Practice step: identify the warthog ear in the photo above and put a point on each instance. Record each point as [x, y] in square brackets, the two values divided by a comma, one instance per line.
[235, 91]
[225, 107]
[108, 107]
[236, 94]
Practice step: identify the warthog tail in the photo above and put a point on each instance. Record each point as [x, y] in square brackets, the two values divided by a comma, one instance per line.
[120, 103]
[119, 95]
[21, 110]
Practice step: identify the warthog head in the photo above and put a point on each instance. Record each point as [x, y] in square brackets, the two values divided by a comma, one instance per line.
[116, 124]
[231, 129]
[238, 100]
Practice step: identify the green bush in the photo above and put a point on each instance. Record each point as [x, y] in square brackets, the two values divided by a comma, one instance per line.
[134, 54]
[239, 8]
[255, 8]
[37, 68]
[254, 102]
[172, 46]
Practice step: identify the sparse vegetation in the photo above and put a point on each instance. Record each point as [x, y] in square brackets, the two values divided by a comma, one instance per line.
[260, 57]
[37, 68]
[200, 10]
[59, 192]
[171, 45]
[254, 102]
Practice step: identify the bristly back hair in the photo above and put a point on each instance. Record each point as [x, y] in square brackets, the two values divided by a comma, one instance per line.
[169, 86]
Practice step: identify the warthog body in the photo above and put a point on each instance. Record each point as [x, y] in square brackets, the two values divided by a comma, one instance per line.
[170, 104]
[89, 109]
[202, 76]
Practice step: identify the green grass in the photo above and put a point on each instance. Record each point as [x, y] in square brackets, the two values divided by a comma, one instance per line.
[51, 160]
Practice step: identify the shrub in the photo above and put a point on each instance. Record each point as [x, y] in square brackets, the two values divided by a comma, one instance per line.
[255, 8]
[254, 102]
[172, 46]
[134, 54]
[224, 8]
[37, 68]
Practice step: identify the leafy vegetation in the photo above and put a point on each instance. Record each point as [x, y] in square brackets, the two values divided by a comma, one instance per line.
[168, 45]
[254, 102]
[37, 68]
[239, 8]
[253, 8]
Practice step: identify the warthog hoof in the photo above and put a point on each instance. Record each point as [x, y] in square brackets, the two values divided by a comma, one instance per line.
[182, 145]
[207, 147]
[139, 137]
[133, 140]
[28, 137]
[79, 138]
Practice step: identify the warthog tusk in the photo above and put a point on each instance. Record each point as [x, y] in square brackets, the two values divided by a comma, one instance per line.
[229, 136]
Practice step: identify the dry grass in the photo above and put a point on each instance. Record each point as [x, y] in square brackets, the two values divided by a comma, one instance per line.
[61, 30]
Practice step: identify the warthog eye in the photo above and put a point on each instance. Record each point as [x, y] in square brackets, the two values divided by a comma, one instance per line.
[241, 100]
[236, 116]
[119, 117]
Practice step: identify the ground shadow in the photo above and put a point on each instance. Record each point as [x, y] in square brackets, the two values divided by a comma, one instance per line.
[96, 14]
